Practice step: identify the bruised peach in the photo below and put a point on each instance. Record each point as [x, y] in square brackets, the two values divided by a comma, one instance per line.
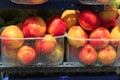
[108, 18]
[71, 17]
[34, 27]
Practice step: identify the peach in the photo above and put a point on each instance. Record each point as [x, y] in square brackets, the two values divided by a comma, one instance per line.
[89, 20]
[57, 54]
[10, 37]
[115, 36]
[107, 55]
[88, 55]
[108, 18]
[26, 55]
[34, 26]
[111, 7]
[45, 45]
[99, 38]
[10, 53]
[56, 26]
[76, 36]
[71, 17]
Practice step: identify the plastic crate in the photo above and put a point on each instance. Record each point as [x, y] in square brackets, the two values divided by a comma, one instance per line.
[107, 56]
[42, 58]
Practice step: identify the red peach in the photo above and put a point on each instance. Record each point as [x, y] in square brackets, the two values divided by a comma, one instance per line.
[99, 38]
[89, 20]
[56, 26]
[45, 45]
[88, 55]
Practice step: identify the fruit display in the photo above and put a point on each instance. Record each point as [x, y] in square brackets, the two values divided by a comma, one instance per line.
[92, 38]
[29, 43]
[95, 40]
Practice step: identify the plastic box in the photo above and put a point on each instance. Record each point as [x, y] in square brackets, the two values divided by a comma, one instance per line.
[29, 2]
[95, 2]
[42, 58]
[81, 56]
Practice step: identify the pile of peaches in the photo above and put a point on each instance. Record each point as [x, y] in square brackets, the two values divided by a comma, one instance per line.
[34, 41]
[93, 37]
